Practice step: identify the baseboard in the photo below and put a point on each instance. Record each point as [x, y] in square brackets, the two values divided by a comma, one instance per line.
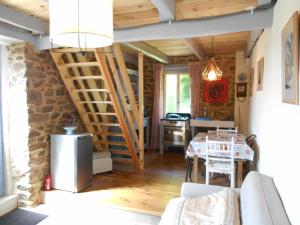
[8, 203]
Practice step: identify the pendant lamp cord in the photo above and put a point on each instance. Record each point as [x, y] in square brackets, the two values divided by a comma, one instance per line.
[212, 45]
[78, 33]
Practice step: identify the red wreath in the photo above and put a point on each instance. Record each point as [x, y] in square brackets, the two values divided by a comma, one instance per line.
[216, 91]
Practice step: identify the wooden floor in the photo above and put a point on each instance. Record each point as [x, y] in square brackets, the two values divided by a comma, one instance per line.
[147, 192]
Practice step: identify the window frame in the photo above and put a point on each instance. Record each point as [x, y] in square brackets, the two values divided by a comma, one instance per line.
[177, 70]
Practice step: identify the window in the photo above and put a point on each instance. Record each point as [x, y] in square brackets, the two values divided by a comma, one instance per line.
[177, 93]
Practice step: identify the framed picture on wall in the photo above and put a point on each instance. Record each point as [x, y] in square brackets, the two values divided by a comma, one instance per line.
[260, 74]
[251, 80]
[289, 53]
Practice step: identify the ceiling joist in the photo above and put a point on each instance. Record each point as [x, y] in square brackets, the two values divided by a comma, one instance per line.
[198, 28]
[166, 9]
[195, 48]
[149, 51]
[21, 20]
[188, 29]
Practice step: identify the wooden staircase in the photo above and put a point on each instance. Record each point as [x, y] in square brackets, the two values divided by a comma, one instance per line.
[101, 90]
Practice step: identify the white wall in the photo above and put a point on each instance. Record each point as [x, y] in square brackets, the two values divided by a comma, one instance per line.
[277, 124]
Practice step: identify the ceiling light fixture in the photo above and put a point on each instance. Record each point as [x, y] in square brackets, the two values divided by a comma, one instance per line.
[212, 71]
[81, 23]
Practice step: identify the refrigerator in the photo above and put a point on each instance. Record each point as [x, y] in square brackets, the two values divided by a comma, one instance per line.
[71, 161]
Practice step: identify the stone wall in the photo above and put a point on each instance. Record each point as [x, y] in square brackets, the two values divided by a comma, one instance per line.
[39, 107]
[219, 110]
[148, 84]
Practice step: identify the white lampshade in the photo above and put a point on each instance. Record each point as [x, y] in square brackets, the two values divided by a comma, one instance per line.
[89, 27]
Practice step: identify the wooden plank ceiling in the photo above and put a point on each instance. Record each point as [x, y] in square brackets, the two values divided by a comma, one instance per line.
[130, 13]
[222, 44]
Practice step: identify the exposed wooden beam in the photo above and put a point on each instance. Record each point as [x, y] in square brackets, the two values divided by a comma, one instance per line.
[150, 51]
[244, 21]
[194, 46]
[166, 9]
[141, 107]
[198, 28]
[22, 20]
[15, 33]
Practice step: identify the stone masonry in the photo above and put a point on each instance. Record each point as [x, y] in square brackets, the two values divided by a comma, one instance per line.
[39, 106]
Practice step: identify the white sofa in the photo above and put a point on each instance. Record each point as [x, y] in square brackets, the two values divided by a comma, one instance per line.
[260, 203]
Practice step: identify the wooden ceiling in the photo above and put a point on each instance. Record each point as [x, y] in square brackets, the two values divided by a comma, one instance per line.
[222, 44]
[130, 13]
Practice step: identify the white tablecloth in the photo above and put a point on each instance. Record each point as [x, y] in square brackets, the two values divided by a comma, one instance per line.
[241, 149]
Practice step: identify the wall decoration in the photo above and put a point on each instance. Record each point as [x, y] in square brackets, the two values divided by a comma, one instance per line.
[289, 52]
[242, 77]
[241, 90]
[251, 81]
[216, 91]
[260, 74]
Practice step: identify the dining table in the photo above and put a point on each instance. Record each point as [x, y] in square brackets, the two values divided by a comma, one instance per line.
[242, 152]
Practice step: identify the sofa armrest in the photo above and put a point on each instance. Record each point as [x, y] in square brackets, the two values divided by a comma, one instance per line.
[194, 190]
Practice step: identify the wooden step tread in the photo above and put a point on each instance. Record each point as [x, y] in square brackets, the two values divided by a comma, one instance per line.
[104, 133]
[100, 113]
[94, 77]
[106, 124]
[111, 143]
[89, 90]
[119, 152]
[122, 160]
[95, 102]
[78, 64]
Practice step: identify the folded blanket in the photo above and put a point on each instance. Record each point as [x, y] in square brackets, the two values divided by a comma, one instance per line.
[220, 208]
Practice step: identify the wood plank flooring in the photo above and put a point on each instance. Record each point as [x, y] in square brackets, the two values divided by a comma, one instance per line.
[147, 192]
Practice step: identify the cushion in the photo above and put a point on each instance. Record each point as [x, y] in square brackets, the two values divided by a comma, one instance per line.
[213, 209]
[260, 202]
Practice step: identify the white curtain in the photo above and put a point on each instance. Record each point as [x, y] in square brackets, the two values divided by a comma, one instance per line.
[4, 88]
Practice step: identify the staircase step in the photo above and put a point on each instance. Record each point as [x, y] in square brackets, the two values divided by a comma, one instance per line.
[88, 90]
[79, 64]
[122, 160]
[106, 124]
[95, 102]
[111, 143]
[94, 77]
[100, 113]
[109, 134]
[119, 152]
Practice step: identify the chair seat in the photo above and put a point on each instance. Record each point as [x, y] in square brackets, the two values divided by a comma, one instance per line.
[219, 167]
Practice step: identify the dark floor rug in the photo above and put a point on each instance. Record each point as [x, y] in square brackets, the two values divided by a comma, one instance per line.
[21, 217]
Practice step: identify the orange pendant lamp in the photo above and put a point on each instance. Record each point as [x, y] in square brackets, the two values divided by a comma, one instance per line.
[212, 71]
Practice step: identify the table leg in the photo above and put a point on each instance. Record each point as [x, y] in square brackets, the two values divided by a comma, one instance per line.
[195, 169]
[240, 173]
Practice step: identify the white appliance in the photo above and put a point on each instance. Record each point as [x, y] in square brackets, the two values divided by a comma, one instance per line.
[71, 161]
